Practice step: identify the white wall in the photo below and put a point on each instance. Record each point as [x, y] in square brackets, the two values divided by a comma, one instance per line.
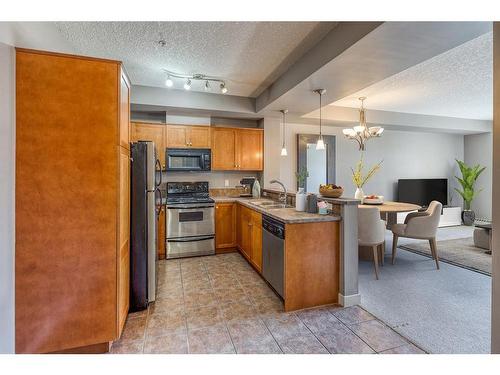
[405, 155]
[478, 149]
[7, 142]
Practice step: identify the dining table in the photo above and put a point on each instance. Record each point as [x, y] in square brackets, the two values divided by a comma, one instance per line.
[389, 210]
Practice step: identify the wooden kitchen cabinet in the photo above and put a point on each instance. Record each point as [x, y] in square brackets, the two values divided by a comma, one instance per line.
[225, 227]
[161, 234]
[142, 131]
[245, 230]
[237, 149]
[250, 235]
[250, 149]
[123, 270]
[256, 257]
[73, 223]
[125, 129]
[176, 136]
[199, 136]
[182, 136]
[224, 149]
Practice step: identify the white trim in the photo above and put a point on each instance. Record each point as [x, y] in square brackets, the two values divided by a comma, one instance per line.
[352, 300]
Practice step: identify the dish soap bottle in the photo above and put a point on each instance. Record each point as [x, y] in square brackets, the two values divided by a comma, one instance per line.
[256, 189]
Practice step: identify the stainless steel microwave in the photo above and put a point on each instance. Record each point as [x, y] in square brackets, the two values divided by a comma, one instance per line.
[187, 159]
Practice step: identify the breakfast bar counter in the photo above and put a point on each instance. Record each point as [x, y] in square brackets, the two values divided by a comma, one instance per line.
[320, 251]
[285, 214]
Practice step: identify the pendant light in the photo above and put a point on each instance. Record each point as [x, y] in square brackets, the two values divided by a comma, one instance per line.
[320, 145]
[362, 133]
[283, 148]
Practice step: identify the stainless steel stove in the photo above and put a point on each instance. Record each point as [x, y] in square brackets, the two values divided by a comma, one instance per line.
[190, 220]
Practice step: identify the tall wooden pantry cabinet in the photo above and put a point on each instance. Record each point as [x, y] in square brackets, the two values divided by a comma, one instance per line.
[72, 202]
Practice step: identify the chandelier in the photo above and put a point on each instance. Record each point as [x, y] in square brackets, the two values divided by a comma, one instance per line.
[361, 133]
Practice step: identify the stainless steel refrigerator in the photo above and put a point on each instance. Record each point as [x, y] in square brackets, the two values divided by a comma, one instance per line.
[145, 182]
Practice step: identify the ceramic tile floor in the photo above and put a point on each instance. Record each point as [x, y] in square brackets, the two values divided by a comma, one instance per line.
[219, 304]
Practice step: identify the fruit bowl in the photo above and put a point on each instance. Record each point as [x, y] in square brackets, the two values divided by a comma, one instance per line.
[373, 199]
[331, 191]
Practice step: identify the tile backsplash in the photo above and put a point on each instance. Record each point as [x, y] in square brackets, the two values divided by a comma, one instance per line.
[216, 179]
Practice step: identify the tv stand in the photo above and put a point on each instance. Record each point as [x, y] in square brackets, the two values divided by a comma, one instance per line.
[451, 216]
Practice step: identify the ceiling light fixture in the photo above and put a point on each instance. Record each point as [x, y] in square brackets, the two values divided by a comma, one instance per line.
[283, 148]
[361, 133]
[320, 145]
[195, 77]
[169, 82]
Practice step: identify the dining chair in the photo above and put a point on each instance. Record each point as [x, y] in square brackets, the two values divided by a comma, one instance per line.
[371, 233]
[419, 225]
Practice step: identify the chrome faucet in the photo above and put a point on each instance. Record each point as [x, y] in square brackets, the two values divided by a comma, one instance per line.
[282, 197]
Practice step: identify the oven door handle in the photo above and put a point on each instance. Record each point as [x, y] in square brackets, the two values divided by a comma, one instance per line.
[188, 208]
[191, 239]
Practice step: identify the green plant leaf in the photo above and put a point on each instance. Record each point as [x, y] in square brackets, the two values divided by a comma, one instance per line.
[468, 180]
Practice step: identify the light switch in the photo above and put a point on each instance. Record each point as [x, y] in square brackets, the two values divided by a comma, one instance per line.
[226, 183]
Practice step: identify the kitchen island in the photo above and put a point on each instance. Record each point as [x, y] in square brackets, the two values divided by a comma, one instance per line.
[311, 247]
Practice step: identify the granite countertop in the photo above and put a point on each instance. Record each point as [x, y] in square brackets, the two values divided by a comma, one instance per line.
[341, 200]
[286, 215]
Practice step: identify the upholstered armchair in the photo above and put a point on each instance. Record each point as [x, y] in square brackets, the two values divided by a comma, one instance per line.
[371, 233]
[420, 225]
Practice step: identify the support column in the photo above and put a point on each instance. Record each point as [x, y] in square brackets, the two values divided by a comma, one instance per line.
[348, 291]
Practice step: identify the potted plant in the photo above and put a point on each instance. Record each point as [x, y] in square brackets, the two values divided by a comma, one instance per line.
[467, 182]
[359, 179]
[300, 197]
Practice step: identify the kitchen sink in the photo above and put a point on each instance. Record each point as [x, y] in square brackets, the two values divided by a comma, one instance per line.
[276, 205]
[263, 203]
[269, 205]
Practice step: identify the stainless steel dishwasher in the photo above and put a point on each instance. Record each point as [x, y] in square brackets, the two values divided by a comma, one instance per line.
[273, 253]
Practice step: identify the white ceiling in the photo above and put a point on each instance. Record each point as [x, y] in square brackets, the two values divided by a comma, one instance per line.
[457, 83]
[247, 55]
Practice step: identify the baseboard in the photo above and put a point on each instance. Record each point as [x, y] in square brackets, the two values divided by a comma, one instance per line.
[351, 300]
[226, 250]
[100, 348]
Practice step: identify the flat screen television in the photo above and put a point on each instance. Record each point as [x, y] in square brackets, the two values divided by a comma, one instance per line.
[423, 191]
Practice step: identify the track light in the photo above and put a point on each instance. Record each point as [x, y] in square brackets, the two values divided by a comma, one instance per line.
[206, 81]
[169, 82]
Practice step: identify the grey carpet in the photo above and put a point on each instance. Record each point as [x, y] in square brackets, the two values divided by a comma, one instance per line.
[459, 252]
[445, 311]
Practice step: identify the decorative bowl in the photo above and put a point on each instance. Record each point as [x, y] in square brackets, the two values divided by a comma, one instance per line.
[331, 193]
[371, 200]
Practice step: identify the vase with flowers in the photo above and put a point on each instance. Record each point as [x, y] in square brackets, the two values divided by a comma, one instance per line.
[360, 179]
